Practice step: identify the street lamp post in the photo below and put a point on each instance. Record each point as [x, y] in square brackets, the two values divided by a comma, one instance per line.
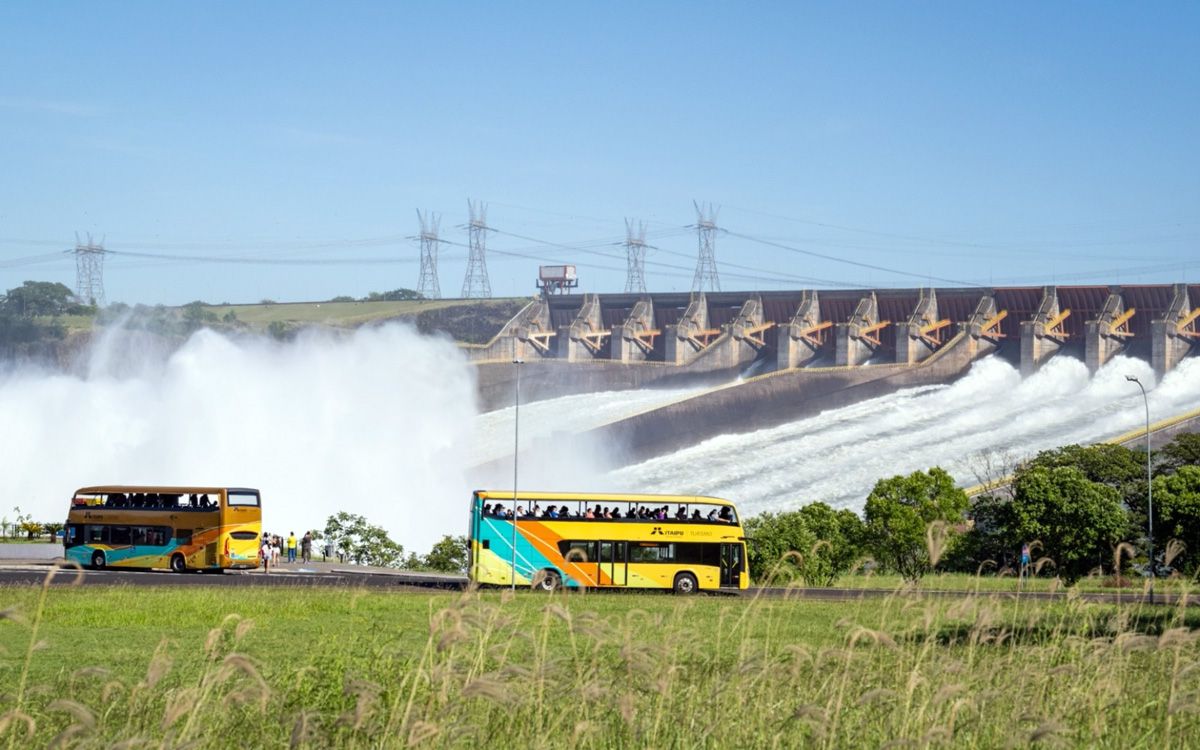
[516, 454]
[1149, 484]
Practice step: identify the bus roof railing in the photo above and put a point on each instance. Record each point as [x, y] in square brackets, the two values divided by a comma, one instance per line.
[161, 489]
[603, 497]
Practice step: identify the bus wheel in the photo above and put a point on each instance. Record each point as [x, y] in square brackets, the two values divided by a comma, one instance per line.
[98, 560]
[685, 583]
[547, 580]
[178, 564]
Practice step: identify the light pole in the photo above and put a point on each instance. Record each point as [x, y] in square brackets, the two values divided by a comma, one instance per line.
[1149, 484]
[516, 455]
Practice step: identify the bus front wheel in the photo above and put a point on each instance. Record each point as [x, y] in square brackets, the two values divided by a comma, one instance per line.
[685, 584]
[178, 564]
[98, 560]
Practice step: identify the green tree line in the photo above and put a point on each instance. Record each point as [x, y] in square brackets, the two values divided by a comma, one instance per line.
[1074, 506]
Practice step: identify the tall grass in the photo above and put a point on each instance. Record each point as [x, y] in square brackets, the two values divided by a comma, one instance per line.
[304, 668]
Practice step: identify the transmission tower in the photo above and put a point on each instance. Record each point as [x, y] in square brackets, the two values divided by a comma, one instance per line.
[428, 286]
[476, 283]
[89, 271]
[706, 264]
[635, 257]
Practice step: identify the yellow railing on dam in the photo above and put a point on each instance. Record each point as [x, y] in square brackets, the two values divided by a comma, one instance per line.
[1124, 437]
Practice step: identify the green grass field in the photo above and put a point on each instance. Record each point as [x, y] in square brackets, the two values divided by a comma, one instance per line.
[341, 314]
[280, 667]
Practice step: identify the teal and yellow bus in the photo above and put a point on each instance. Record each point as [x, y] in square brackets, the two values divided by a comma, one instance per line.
[180, 528]
[586, 540]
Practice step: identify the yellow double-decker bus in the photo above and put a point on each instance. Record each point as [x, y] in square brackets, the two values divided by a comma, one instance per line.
[551, 539]
[181, 528]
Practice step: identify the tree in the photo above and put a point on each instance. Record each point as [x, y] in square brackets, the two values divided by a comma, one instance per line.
[1184, 450]
[40, 298]
[197, 315]
[990, 536]
[771, 536]
[899, 513]
[1076, 520]
[1177, 500]
[395, 295]
[356, 539]
[448, 555]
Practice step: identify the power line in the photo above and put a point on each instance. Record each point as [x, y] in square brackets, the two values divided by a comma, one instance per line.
[847, 261]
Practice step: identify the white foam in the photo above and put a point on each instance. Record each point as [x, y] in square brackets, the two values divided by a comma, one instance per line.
[837, 456]
[372, 423]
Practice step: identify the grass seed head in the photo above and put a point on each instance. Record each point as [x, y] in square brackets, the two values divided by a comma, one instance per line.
[421, 732]
[12, 719]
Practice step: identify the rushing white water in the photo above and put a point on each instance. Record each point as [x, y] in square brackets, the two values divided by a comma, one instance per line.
[383, 422]
[542, 420]
[837, 456]
[371, 423]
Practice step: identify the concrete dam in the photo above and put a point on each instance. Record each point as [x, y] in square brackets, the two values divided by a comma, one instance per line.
[749, 361]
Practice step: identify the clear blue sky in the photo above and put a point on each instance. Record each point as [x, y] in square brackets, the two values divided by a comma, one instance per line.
[983, 142]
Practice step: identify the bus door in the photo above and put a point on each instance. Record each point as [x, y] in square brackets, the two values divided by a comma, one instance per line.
[614, 562]
[731, 564]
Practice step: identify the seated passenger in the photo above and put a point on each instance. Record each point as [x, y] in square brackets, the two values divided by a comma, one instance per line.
[681, 514]
[726, 514]
[551, 511]
[487, 509]
[631, 513]
[597, 513]
[537, 511]
[712, 514]
[590, 513]
[520, 511]
[696, 515]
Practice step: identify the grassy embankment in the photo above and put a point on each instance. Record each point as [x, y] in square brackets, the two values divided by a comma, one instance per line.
[317, 668]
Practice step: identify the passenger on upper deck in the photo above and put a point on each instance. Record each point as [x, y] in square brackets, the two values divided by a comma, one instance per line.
[726, 514]
[681, 514]
[696, 515]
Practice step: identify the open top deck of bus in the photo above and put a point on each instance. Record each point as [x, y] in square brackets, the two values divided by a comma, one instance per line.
[164, 490]
[603, 497]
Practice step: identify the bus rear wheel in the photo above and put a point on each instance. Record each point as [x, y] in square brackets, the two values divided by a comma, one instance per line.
[548, 581]
[178, 564]
[98, 560]
[685, 584]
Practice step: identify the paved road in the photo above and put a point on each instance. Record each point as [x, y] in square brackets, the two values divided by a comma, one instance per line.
[313, 574]
[336, 575]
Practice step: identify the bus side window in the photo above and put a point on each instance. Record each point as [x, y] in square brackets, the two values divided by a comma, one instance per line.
[73, 535]
[183, 537]
[119, 536]
[97, 534]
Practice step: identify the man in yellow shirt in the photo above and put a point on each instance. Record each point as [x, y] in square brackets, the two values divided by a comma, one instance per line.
[291, 546]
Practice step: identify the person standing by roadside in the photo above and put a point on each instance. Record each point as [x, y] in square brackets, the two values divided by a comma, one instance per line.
[306, 547]
[291, 546]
